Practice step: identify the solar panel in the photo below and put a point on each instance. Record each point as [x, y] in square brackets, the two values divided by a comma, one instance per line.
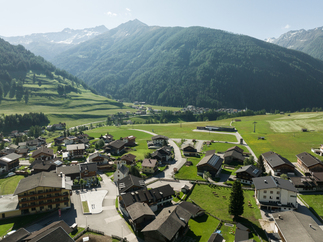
[255, 171]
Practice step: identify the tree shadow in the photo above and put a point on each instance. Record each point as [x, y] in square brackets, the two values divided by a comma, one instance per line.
[201, 219]
[252, 225]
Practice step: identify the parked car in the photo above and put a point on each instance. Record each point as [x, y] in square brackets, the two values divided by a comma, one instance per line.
[10, 174]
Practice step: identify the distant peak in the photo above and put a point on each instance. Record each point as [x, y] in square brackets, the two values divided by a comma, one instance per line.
[134, 22]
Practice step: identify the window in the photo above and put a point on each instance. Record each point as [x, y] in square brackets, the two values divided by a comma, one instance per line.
[271, 197]
[265, 191]
[277, 198]
[271, 192]
[278, 192]
[265, 197]
[33, 209]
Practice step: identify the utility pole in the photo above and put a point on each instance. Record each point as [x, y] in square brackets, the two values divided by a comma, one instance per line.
[254, 127]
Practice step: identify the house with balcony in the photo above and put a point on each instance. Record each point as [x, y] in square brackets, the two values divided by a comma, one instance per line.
[43, 192]
[10, 162]
[275, 193]
[99, 159]
[309, 163]
[76, 150]
[149, 166]
[246, 173]
[43, 153]
[211, 163]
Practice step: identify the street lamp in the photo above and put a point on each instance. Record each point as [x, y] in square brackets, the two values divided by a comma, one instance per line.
[254, 127]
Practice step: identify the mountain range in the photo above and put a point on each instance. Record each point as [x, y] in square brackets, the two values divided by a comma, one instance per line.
[177, 66]
[48, 45]
[307, 41]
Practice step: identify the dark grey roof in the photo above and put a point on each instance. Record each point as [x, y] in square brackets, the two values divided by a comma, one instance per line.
[45, 164]
[62, 224]
[212, 160]
[266, 182]
[43, 149]
[241, 235]
[42, 179]
[234, 154]
[128, 157]
[53, 235]
[138, 210]
[146, 195]
[19, 235]
[117, 144]
[236, 148]
[159, 137]
[169, 221]
[10, 157]
[129, 181]
[275, 160]
[189, 147]
[123, 169]
[193, 209]
[250, 169]
[67, 170]
[215, 237]
[209, 152]
[296, 226]
[308, 160]
[88, 166]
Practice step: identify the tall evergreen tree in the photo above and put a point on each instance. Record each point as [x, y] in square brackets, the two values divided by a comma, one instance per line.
[26, 96]
[236, 200]
[260, 164]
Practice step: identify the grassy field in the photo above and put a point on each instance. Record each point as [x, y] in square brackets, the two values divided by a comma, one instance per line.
[288, 141]
[218, 204]
[314, 201]
[85, 206]
[8, 185]
[190, 172]
[221, 147]
[202, 227]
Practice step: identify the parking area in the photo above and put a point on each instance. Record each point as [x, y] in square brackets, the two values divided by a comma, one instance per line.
[176, 185]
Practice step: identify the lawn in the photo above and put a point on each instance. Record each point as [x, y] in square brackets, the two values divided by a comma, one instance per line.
[85, 206]
[221, 147]
[8, 185]
[189, 172]
[218, 204]
[315, 202]
[202, 227]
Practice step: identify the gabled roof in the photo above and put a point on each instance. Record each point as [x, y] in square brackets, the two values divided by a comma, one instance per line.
[45, 164]
[209, 152]
[295, 226]
[16, 236]
[127, 182]
[159, 137]
[215, 237]
[211, 160]
[88, 167]
[149, 163]
[43, 149]
[123, 169]
[42, 179]
[138, 210]
[267, 182]
[236, 148]
[68, 170]
[117, 144]
[53, 225]
[75, 147]
[10, 157]
[308, 160]
[250, 169]
[275, 160]
[169, 221]
[53, 235]
[32, 142]
[234, 154]
[190, 207]
[128, 157]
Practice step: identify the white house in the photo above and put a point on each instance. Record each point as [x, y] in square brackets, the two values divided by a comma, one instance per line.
[121, 172]
[159, 139]
[275, 193]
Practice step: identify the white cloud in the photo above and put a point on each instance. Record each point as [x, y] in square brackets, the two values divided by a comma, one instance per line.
[287, 26]
[110, 14]
[128, 9]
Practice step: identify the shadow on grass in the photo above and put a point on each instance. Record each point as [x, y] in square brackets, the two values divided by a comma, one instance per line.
[201, 219]
[192, 236]
[251, 225]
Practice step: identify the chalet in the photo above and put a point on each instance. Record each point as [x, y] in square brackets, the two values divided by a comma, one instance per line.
[115, 147]
[241, 233]
[294, 226]
[107, 138]
[246, 173]
[7, 151]
[88, 170]
[130, 140]
[121, 172]
[22, 145]
[194, 210]
[140, 215]
[52, 192]
[99, 159]
[149, 166]
[22, 152]
[156, 198]
[277, 164]
[45, 165]
[43, 153]
[159, 140]
[18, 235]
[59, 140]
[130, 183]
[211, 163]
[76, 150]
[233, 154]
[311, 182]
[10, 162]
[129, 159]
[59, 126]
[83, 139]
[170, 224]
[189, 150]
[309, 163]
[163, 154]
[275, 193]
[70, 140]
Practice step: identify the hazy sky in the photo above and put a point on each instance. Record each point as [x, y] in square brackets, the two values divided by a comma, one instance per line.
[257, 18]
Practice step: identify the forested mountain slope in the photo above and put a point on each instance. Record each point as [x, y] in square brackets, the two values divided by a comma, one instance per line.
[177, 66]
